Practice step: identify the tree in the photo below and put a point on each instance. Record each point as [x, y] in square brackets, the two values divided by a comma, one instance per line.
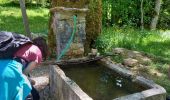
[25, 18]
[156, 15]
[141, 8]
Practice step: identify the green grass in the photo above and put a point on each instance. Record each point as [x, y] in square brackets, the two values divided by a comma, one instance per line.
[11, 18]
[153, 42]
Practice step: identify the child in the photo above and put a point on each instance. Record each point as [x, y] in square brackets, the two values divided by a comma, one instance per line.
[14, 85]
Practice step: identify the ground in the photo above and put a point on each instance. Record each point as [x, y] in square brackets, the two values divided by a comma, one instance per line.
[41, 77]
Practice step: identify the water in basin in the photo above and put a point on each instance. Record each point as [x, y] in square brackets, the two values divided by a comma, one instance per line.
[100, 82]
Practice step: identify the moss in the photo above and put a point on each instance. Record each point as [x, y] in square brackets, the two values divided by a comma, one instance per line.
[70, 3]
[51, 38]
[93, 23]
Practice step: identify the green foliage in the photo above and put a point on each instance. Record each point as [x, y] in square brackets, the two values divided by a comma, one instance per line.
[11, 18]
[93, 23]
[117, 58]
[127, 13]
[42, 3]
[70, 3]
[164, 21]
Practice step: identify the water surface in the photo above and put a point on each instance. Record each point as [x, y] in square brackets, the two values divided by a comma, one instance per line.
[100, 82]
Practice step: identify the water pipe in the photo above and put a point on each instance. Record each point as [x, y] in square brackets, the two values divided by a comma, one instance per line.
[63, 52]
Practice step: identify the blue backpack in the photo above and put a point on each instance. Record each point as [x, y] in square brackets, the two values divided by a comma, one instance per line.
[10, 43]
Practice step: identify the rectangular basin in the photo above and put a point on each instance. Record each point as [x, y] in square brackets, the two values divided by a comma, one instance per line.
[77, 86]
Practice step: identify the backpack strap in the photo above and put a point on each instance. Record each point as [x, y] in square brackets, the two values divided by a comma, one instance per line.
[22, 61]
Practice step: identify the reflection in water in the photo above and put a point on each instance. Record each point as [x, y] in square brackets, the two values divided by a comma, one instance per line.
[99, 82]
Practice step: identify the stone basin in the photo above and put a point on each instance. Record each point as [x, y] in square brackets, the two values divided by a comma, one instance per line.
[62, 87]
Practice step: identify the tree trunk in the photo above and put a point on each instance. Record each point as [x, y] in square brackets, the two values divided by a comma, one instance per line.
[141, 8]
[25, 18]
[156, 15]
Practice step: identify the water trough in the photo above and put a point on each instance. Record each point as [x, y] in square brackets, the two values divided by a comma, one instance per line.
[64, 86]
[89, 82]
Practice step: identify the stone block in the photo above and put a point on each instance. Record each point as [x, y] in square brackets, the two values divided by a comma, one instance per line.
[63, 88]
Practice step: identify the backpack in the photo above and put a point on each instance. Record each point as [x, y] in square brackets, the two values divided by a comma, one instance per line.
[10, 43]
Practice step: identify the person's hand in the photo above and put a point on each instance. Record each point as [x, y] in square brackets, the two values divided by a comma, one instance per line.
[31, 81]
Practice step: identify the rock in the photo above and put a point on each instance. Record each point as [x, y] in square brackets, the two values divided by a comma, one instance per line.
[130, 62]
[94, 51]
[118, 50]
[145, 60]
[41, 82]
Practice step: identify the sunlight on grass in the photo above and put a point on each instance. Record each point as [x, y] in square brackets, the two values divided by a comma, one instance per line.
[38, 12]
[148, 41]
[165, 34]
[11, 19]
[17, 12]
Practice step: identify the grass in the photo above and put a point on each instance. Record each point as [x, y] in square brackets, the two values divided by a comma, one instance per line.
[153, 43]
[11, 18]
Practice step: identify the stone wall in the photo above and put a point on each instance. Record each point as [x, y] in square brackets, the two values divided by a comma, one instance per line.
[63, 27]
[63, 88]
[155, 91]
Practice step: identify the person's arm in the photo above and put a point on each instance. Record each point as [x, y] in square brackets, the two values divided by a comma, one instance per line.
[30, 67]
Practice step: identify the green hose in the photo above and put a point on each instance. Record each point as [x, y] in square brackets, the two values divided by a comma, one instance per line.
[63, 52]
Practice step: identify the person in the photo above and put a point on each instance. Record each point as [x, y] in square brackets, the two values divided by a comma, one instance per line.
[14, 84]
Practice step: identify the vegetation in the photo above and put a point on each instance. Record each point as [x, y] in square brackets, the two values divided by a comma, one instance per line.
[11, 18]
[93, 23]
[72, 3]
[128, 12]
[154, 42]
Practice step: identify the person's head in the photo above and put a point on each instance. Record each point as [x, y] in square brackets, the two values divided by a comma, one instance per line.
[42, 45]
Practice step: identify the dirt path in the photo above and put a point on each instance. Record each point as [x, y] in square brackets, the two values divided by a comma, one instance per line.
[41, 77]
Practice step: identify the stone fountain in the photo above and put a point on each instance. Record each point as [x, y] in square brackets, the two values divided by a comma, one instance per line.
[69, 27]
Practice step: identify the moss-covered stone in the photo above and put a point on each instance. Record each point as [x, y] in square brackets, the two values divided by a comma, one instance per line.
[70, 3]
[93, 23]
[51, 38]
[93, 20]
